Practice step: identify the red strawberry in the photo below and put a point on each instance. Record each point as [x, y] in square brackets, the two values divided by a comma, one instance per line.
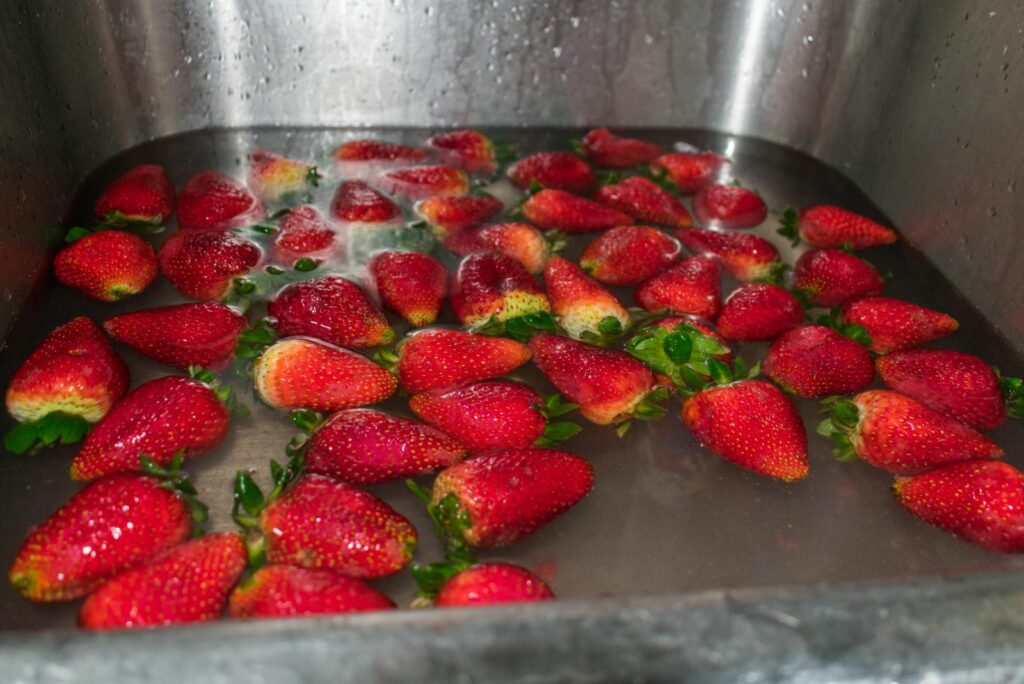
[629, 255]
[815, 361]
[213, 201]
[333, 309]
[143, 194]
[303, 233]
[980, 501]
[585, 310]
[411, 284]
[521, 241]
[606, 149]
[832, 277]
[645, 200]
[421, 182]
[363, 446]
[108, 265]
[690, 171]
[432, 359]
[109, 526]
[204, 265]
[202, 573]
[893, 324]
[276, 179]
[467, 149]
[557, 170]
[896, 433]
[826, 226]
[304, 373]
[729, 206]
[450, 215]
[487, 584]
[758, 311]
[287, 591]
[356, 155]
[357, 201]
[689, 287]
[745, 256]
[571, 214]
[493, 286]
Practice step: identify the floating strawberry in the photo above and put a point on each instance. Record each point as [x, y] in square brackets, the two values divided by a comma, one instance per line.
[606, 149]
[450, 215]
[486, 584]
[758, 311]
[143, 194]
[629, 255]
[213, 201]
[205, 265]
[467, 149]
[107, 265]
[679, 350]
[571, 214]
[645, 200]
[333, 309]
[492, 286]
[202, 572]
[893, 324]
[521, 241]
[745, 256]
[729, 206]
[421, 182]
[288, 591]
[585, 310]
[556, 170]
[689, 287]
[689, 171]
[411, 284]
[357, 201]
[815, 361]
[279, 180]
[832, 277]
[827, 226]
[303, 233]
[896, 433]
[355, 153]
[72, 379]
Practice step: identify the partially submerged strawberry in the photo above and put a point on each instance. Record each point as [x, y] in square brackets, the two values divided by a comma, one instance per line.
[585, 310]
[279, 180]
[689, 171]
[758, 311]
[288, 591]
[450, 215]
[107, 265]
[333, 309]
[729, 206]
[411, 284]
[467, 149]
[357, 201]
[303, 233]
[556, 170]
[689, 287]
[629, 255]
[214, 201]
[521, 241]
[826, 226]
[493, 286]
[745, 256]
[893, 324]
[206, 264]
[606, 149]
[142, 194]
[570, 213]
[486, 584]
[832, 277]
[421, 182]
[645, 201]
[361, 151]
[816, 361]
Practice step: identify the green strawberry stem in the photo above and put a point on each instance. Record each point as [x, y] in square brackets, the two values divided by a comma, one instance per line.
[659, 176]
[557, 240]
[576, 145]
[789, 219]
[687, 357]
[222, 392]
[505, 151]
[252, 343]
[174, 479]
[116, 219]
[558, 431]
[520, 328]
[776, 273]
[840, 425]
[450, 521]
[1013, 393]
[649, 408]
[855, 332]
[609, 330]
[608, 177]
[803, 297]
[54, 428]
[76, 234]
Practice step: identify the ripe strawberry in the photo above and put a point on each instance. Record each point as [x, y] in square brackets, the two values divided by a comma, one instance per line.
[745, 256]
[108, 265]
[495, 414]
[364, 446]
[689, 287]
[556, 170]
[815, 361]
[758, 311]
[213, 201]
[896, 433]
[645, 200]
[333, 309]
[467, 149]
[571, 214]
[437, 358]
[521, 241]
[450, 215]
[893, 324]
[679, 350]
[143, 194]
[109, 526]
[629, 255]
[288, 591]
[303, 233]
[832, 277]
[493, 286]
[279, 180]
[202, 573]
[421, 182]
[827, 226]
[362, 158]
[411, 284]
[690, 171]
[356, 201]
[980, 501]
[729, 206]
[71, 379]
[585, 310]
[488, 584]
[606, 149]
[204, 265]
[303, 373]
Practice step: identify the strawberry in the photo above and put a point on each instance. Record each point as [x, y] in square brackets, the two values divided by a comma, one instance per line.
[556, 170]
[364, 446]
[745, 256]
[645, 200]
[450, 215]
[202, 573]
[355, 156]
[629, 255]
[71, 379]
[815, 361]
[304, 373]
[495, 414]
[729, 206]
[689, 287]
[467, 149]
[521, 241]
[585, 310]
[832, 277]
[609, 386]
[421, 182]
[109, 526]
[143, 194]
[896, 433]
[827, 226]
[959, 385]
[107, 265]
[980, 501]
[606, 149]
[894, 325]
[181, 335]
[303, 233]
[411, 284]
[679, 350]
[279, 180]
[357, 201]
[333, 309]
[288, 591]
[493, 286]
[213, 201]
[158, 419]
[205, 265]
[758, 311]
[570, 213]
[689, 171]
[488, 584]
